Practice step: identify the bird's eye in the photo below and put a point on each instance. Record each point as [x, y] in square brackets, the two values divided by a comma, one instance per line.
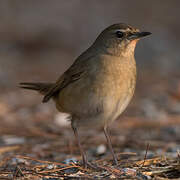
[119, 34]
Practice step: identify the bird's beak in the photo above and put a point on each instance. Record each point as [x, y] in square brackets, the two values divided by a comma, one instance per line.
[138, 35]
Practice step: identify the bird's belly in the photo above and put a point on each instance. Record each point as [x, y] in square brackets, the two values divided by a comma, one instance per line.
[116, 96]
[116, 107]
[80, 100]
[96, 102]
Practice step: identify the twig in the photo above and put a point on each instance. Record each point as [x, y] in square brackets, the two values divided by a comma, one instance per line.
[8, 148]
[145, 156]
[59, 169]
[178, 155]
[118, 154]
[18, 172]
[41, 161]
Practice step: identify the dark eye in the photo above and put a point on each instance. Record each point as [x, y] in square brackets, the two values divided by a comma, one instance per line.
[119, 34]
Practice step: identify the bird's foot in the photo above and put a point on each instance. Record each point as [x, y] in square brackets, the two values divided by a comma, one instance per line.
[115, 162]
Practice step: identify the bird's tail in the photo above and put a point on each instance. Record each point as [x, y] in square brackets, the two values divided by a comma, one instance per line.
[42, 88]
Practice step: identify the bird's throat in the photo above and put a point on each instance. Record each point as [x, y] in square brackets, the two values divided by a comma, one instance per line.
[129, 49]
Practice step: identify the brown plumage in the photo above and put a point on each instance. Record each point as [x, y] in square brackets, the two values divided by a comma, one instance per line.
[99, 85]
[42, 88]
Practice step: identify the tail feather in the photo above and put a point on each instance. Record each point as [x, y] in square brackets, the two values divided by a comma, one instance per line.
[42, 88]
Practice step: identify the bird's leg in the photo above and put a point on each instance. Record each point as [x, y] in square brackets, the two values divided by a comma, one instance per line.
[84, 158]
[110, 145]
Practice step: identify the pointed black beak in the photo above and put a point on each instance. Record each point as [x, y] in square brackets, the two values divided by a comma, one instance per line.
[138, 35]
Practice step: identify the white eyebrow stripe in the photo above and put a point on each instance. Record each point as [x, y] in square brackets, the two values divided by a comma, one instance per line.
[122, 30]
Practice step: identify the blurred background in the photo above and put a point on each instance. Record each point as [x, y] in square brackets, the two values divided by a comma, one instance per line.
[40, 39]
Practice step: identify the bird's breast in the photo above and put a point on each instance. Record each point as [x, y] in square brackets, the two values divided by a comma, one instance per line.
[114, 85]
[102, 94]
[114, 77]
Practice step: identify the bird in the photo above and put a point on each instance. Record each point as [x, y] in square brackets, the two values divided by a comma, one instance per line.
[99, 85]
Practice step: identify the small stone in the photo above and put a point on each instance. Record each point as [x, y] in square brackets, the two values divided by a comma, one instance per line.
[19, 161]
[101, 149]
[10, 140]
[50, 166]
[70, 160]
[129, 171]
[112, 176]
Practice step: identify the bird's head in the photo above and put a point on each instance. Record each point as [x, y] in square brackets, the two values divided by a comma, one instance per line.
[119, 39]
